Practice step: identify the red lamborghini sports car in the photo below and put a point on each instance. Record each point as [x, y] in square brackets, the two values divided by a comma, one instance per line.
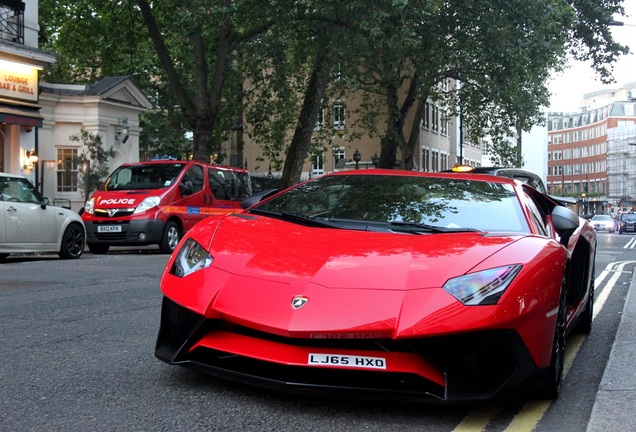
[384, 284]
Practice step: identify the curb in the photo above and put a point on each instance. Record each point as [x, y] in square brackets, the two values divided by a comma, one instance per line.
[616, 396]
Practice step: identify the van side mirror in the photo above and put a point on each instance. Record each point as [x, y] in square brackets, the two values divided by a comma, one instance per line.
[45, 201]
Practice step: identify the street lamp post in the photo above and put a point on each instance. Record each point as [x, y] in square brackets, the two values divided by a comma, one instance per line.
[356, 157]
[376, 160]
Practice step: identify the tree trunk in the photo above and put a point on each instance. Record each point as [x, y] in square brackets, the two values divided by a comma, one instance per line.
[299, 147]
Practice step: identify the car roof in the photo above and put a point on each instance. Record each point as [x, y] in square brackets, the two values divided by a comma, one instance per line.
[441, 174]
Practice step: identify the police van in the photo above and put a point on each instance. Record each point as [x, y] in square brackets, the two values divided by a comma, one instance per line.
[156, 202]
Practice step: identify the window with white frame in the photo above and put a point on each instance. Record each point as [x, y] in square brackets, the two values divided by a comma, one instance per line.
[318, 163]
[320, 118]
[435, 120]
[443, 122]
[67, 170]
[339, 115]
[426, 121]
[338, 154]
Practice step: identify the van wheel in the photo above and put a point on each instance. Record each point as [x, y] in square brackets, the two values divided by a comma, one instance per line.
[98, 249]
[73, 242]
[171, 237]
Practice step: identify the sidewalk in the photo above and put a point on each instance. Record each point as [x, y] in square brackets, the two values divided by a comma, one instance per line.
[615, 405]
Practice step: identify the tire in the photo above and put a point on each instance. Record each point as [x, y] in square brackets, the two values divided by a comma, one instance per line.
[73, 242]
[98, 249]
[171, 237]
[554, 376]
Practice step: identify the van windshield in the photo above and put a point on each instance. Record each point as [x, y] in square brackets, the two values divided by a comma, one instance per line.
[143, 176]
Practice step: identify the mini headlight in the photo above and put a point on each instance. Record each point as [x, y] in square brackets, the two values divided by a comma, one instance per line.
[484, 287]
[190, 258]
[147, 204]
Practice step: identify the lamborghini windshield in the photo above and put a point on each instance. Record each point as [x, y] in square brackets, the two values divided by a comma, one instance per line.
[443, 203]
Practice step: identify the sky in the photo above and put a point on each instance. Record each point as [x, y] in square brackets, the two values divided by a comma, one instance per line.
[568, 87]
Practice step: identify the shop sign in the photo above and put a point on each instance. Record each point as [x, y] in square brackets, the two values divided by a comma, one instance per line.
[18, 81]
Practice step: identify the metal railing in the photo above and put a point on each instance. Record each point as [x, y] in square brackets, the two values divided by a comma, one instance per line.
[12, 21]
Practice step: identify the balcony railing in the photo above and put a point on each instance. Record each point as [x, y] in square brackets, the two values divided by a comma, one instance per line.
[12, 21]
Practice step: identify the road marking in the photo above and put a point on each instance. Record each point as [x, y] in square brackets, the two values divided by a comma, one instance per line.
[630, 244]
[532, 412]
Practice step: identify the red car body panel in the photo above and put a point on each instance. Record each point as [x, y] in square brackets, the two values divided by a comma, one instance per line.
[365, 285]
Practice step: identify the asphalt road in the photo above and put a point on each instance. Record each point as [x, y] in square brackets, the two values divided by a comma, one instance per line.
[77, 354]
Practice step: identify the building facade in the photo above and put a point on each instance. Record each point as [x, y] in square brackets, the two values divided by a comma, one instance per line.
[20, 63]
[441, 143]
[587, 157]
[109, 108]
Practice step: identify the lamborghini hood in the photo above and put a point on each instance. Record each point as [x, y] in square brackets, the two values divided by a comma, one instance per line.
[353, 280]
[269, 249]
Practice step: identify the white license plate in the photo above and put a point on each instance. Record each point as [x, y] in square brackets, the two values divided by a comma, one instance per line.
[108, 228]
[339, 360]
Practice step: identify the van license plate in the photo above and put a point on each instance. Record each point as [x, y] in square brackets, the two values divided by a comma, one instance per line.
[108, 228]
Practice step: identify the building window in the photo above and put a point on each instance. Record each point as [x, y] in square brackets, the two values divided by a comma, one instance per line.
[318, 164]
[435, 161]
[338, 155]
[435, 122]
[339, 115]
[426, 122]
[320, 118]
[444, 123]
[67, 170]
[426, 160]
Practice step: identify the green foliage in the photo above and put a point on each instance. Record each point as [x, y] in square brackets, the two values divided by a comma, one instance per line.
[94, 157]
[208, 66]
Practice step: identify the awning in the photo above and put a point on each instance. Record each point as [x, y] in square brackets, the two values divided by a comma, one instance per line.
[20, 116]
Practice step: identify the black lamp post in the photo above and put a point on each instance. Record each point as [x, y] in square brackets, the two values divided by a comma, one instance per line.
[356, 157]
[376, 160]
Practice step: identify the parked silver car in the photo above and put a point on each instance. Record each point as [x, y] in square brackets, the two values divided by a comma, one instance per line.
[29, 224]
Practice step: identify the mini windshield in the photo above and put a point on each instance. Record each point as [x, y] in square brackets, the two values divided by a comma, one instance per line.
[143, 176]
[447, 203]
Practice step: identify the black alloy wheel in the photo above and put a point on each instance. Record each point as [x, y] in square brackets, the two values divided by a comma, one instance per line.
[73, 242]
[550, 389]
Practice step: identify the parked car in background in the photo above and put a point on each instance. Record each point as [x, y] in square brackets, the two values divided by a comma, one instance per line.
[384, 283]
[603, 223]
[627, 222]
[156, 202]
[29, 224]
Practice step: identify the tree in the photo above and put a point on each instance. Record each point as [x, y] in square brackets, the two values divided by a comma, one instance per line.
[201, 62]
[94, 160]
[502, 53]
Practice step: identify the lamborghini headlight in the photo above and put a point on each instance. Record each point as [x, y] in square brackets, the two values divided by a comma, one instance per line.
[482, 288]
[191, 257]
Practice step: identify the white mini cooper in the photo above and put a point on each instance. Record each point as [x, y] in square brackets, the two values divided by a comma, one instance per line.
[29, 224]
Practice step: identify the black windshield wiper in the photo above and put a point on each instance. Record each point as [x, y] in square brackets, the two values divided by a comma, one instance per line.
[419, 227]
[295, 217]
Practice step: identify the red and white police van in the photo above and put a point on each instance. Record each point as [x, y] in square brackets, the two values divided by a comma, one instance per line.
[155, 202]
